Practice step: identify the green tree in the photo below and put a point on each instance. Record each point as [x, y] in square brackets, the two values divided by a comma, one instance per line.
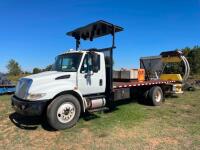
[194, 60]
[36, 70]
[27, 72]
[14, 68]
[186, 51]
[48, 68]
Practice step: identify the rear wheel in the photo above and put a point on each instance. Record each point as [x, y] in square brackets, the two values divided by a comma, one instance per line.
[63, 112]
[156, 96]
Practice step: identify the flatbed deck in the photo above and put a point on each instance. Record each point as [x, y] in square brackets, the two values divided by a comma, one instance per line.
[117, 85]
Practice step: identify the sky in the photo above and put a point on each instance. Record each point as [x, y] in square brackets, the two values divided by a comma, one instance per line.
[33, 32]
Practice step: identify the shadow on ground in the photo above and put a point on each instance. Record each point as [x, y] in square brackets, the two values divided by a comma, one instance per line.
[29, 123]
[33, 123]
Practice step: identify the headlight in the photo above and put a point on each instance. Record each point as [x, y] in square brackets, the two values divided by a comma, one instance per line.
[23, 87]
[35, 96]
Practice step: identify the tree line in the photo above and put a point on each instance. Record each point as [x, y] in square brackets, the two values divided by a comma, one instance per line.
[192, 54]
[15, 69]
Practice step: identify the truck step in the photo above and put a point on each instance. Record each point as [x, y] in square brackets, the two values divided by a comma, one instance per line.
[98, 109]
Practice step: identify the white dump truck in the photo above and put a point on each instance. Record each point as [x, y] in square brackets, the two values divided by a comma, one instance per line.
[82, 81]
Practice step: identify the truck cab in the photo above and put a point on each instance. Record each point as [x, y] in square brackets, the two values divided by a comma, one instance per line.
[75, 73]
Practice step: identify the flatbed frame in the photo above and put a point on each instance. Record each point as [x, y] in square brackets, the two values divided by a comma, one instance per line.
[118, 85]
[120, 89]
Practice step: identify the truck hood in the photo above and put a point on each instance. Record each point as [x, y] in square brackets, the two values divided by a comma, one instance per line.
[47, 82]
[48, 75]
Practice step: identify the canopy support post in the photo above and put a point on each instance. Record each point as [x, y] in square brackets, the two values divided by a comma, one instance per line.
[110, 94]
[113, 36]
[77, 44]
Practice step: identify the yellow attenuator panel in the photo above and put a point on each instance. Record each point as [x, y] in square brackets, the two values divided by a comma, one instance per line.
[174, 77]
[171, 59]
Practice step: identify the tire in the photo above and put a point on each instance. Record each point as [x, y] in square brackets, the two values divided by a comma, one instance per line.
[156, 96]
[63, 112]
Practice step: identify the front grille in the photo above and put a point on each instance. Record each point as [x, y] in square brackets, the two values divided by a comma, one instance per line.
[23, 87]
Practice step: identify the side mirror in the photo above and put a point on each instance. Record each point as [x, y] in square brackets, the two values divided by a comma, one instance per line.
[82, 71]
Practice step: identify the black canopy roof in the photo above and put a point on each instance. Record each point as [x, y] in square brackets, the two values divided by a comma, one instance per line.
[94, 30]
[171, 53]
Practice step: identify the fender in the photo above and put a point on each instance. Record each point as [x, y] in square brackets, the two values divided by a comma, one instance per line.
[84, 103]
[56, 88]
[77, 94]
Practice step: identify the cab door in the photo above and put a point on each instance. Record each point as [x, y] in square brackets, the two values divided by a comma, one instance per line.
[91, 79]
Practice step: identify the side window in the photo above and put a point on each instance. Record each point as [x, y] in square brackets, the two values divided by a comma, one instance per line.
[89, 64]
[96, 66]
[84, 68]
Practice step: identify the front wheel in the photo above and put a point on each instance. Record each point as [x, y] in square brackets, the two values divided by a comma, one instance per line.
[63, 112]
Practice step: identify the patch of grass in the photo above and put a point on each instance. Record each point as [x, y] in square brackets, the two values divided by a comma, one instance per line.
[174, 125]
[125, 115]
[5, 108]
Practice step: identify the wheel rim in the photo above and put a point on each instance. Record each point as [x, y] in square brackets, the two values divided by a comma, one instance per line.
[157, 96]
[66, 112]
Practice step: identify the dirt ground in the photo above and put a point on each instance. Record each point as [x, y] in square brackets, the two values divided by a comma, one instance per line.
[174, 125]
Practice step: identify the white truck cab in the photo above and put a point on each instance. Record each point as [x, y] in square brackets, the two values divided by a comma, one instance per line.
[75, 74]
[72, 71]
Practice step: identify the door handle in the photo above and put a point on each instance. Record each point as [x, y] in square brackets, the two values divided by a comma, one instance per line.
[100, 82]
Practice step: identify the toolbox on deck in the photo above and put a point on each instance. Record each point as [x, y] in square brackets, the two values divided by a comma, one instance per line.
[132, 74]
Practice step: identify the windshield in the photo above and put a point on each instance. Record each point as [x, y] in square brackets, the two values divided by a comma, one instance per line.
[67, 62]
